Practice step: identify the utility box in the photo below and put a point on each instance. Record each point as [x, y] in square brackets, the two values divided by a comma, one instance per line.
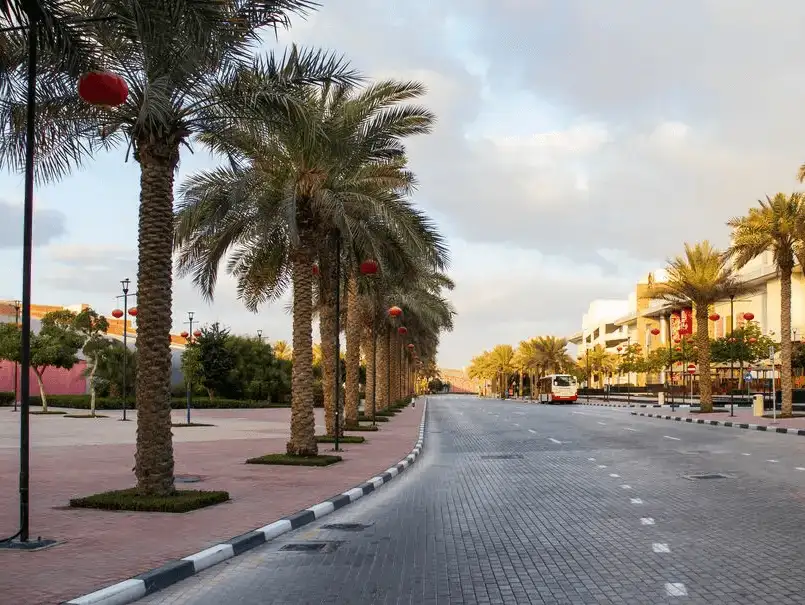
[757, 405]
[661, 397]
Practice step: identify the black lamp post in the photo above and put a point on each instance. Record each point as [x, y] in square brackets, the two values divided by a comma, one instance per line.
[125, 283]
[189, 390]
[17, 307]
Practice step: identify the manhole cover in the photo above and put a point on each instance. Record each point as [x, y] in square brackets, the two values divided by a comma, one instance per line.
[186, 479]
[706, 476]
[502, 457]
[311, 546]
[345, 526]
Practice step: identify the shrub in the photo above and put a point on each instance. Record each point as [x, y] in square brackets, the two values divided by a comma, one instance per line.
[378, 418]
[289, 460]
[181, 501]
[81, 402]
[6, 398]
[342, 439]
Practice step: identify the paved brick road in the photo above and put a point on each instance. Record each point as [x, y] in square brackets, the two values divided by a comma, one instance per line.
[597, 510]
[98, 548]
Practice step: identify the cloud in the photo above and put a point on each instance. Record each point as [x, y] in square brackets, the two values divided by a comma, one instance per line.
[49, 225]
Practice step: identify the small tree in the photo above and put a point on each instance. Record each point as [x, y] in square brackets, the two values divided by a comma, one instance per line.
[55, 346]
[215, 358]
[92, 328]
[109, 367]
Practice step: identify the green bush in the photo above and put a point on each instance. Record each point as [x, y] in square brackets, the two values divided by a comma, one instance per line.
[378, 418]
[6, 398]
[81, 402]
[362, 427]
[289, 460]
[181, 501]
[342, 439]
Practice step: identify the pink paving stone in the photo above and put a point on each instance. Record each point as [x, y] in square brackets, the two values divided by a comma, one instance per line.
[98, 548]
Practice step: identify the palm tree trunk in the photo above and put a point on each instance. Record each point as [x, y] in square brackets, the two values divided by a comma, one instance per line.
[703, 342]
[394, 354]
[329, 357]
[303, 422]
[371, 376]
[383, 382]
[785, 339]
[153, 460]
[353, 356]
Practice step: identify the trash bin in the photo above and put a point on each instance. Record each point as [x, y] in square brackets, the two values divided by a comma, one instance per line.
[757, 404]
[661, 397]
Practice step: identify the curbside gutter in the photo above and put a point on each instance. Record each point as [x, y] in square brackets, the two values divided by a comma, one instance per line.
[728, 423]
[172, 572]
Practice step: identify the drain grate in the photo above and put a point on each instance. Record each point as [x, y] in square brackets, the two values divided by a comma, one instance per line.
[311, 546]
[186, 479]
[346, 526]
[502, 457]
[706, 476]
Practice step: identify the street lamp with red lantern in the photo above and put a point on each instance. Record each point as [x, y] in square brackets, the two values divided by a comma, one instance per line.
[189, 335]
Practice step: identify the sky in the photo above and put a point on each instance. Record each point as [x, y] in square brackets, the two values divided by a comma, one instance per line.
[578, 145]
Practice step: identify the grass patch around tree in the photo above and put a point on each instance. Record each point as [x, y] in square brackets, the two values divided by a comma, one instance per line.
[178, 425]
[342, 439]
[181, 501]
[289, 460]
[378, 418]
[362, 427]
[85, 416]
[47, 413]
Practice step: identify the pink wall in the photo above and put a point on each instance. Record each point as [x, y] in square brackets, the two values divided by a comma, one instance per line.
[57, 381]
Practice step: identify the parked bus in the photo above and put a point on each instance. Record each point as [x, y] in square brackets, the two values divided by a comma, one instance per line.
[558, 388]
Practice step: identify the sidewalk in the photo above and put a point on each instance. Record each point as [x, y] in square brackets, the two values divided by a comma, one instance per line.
[98, 548]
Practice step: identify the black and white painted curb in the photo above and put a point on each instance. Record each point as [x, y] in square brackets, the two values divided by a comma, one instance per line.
[154, 580]
[627, 405]
[727, 423]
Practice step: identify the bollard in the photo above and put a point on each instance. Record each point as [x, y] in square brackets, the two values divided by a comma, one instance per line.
[757, 405]
[661, 397]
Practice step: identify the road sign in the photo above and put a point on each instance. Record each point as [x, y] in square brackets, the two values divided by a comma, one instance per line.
[748, 377]
[691, 368]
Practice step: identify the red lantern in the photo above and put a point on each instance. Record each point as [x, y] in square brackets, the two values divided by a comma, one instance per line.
[197, 333]
[315, 269]
[369, 267]
[678, 349]
[715, 317]
[117, 313]
[133, 311]
[395, 311]
[753, 340]
[655, 331]
[732, 340]
[185, 334]
[402, 330]
[411, 346]
[619, 348]
[749, 316]
[103, 88]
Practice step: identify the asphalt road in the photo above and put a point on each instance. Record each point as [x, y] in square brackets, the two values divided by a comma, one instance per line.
[523, 503]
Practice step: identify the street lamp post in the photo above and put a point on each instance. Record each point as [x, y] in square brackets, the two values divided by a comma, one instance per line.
[124, 283]
[188, 387]
[17, 307]
[587, 355]
[260, 335]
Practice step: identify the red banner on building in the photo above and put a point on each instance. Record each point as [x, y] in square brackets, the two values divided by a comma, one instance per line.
[676, 319]
[686, 321]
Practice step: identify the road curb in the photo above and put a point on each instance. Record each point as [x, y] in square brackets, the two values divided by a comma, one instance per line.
[172, 572]
[727, 423]
[626, 405]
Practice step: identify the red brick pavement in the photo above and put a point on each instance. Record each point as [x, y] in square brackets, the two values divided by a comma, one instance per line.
[98, 548]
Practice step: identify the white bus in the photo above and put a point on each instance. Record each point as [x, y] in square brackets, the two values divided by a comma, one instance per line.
[558, 388]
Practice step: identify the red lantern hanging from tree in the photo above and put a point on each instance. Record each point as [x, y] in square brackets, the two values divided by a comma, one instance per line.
[402, 330]
[655, 331]
[411, 346]
[117, 313]
[619, 348]
[185, 334]
[103, 88]
[133, 311]
[749, 316]
[197, 333]
[715, 317]
[369, 267]
[753, 340]
[395, 311]
[678, 349]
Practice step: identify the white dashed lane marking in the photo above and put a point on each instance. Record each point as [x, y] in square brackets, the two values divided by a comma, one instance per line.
[660, 547]
[614, 475]
[624, 486]
[635, 501]
[602, 466]
[673, 438]
[800, 468]
[591, 459]
[772, 461]
[628, 428]
[676, 589]
[745, 454]
[646, 521]
[552, 440]
[602, 423]
[532, 431]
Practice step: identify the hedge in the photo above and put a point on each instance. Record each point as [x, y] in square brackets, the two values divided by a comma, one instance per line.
[81, 402]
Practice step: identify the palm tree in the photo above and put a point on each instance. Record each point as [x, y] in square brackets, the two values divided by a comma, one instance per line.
[282, 350]
[327, 178]
[701, 277]
[553, 351]
[189, 71]
[776, 226]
